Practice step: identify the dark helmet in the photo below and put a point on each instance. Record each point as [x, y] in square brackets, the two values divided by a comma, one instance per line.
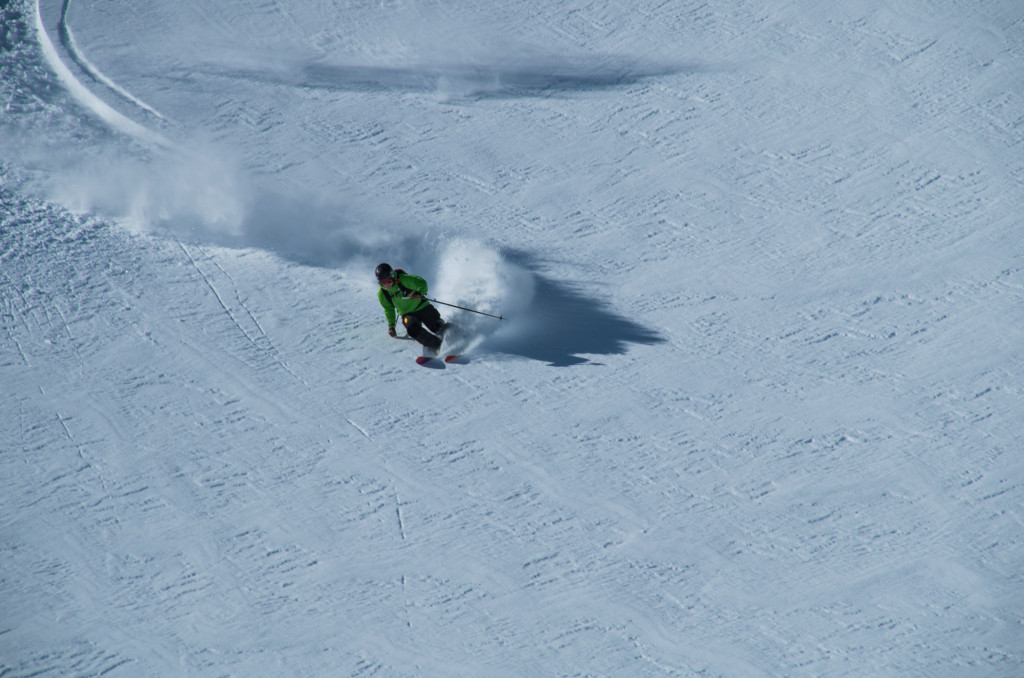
[384, 271]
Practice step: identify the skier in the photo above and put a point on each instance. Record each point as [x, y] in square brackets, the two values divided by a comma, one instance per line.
[402, 293]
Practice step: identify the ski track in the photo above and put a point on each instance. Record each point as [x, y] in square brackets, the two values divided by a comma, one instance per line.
[76, 54]
[215, 463]
[84, 95]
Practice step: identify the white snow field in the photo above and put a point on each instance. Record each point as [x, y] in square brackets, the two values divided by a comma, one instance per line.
[756, 407]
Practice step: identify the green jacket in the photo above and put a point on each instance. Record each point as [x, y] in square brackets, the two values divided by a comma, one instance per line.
[397, 299]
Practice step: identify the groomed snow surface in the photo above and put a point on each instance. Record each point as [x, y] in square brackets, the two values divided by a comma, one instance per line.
[755, 408]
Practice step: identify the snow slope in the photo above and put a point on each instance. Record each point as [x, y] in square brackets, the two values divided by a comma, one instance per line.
[755, 408]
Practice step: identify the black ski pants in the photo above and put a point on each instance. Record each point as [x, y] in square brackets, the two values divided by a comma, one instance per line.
[428, 316]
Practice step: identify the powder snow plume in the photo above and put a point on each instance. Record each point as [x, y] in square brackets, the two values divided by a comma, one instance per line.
[473, 275]
[187, 193]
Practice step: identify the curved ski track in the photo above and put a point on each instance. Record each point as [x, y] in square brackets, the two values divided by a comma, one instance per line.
[83, 94]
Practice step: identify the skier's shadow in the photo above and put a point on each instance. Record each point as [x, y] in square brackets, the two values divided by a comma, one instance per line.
[563, 323]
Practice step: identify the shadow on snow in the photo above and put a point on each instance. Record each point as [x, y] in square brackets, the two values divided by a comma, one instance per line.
[513, 77]
[563, 323]
[523, 78]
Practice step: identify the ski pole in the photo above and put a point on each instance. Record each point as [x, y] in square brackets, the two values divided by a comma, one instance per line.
[445, 303]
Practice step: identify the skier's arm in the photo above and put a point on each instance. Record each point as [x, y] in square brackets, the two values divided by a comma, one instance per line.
[389, 311]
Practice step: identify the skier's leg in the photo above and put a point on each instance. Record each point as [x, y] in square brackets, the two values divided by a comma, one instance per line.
[414, 327]
[432, 319]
